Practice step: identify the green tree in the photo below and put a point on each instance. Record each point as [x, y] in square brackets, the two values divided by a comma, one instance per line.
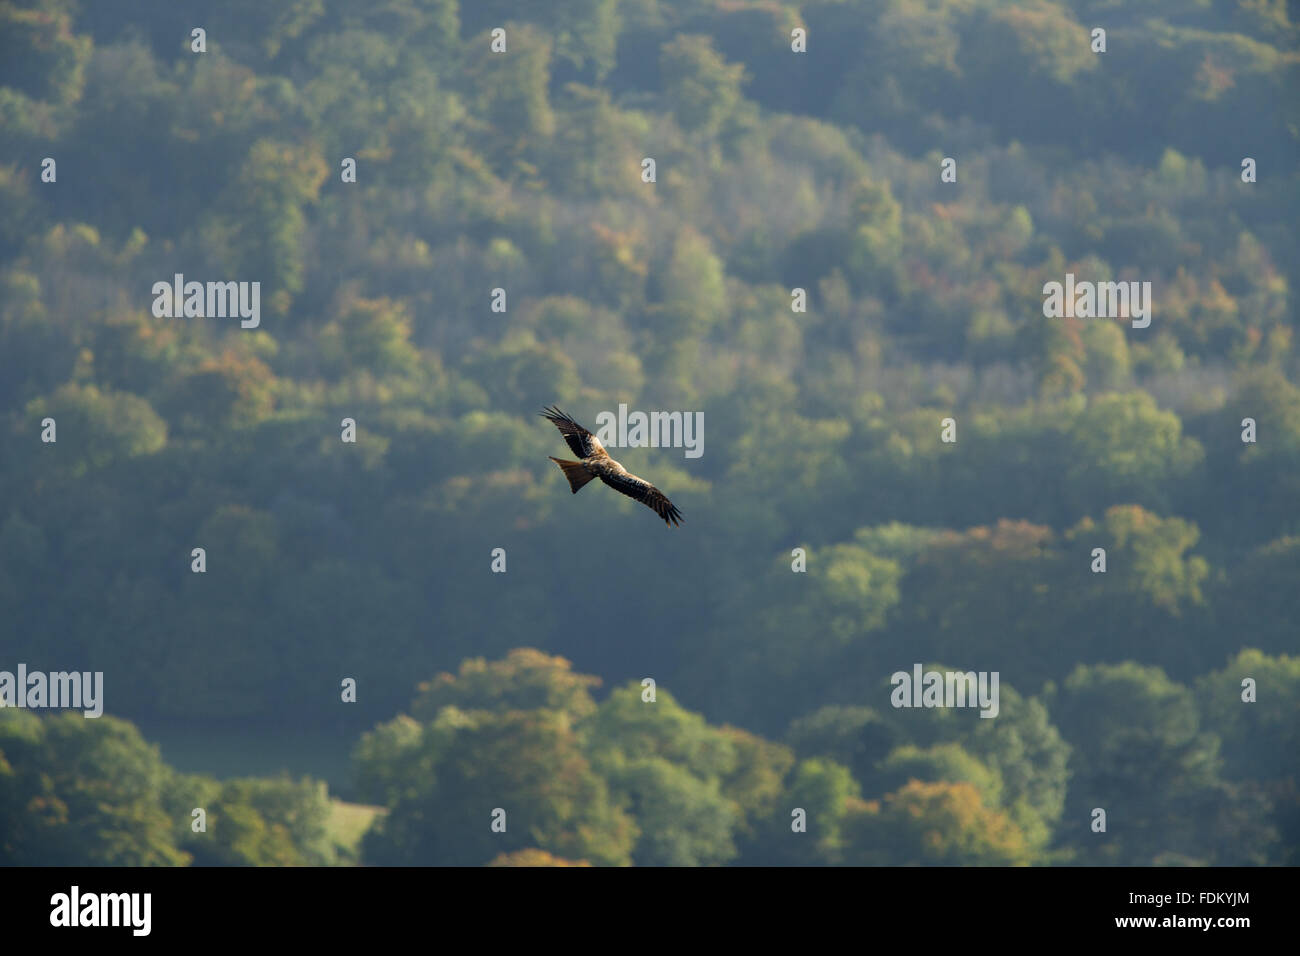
[1124, 448]
[262, 223]
[826, 795]
[98, 427]
[857, 737]
[78, 792]
[526, 679]
[527, 763]
[1140, 754]
[264, 822]
[511, 104]
[1257, 736]
[701, 88]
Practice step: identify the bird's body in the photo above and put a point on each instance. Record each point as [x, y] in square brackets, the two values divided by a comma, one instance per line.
[595, 463]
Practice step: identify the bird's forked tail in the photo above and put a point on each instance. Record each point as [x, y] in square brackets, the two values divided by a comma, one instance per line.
[575, 471]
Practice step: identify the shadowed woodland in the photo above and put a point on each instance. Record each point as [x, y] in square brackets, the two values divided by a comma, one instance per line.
[775, 171]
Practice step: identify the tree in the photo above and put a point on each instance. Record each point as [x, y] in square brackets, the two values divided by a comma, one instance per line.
[372, 334]
[946, 763]
[273, 822]
[857, 737]
[872, 256]
[510, 102]
[533, 857]
[1020, 750]
[78, 792]
[1141, 755]
[1124, 448]
[701, 88]
[691, 787]
[527, 679]
[39, 54]
[469, 764]
[933, 824]
[1257, 736]
[104, 427]
[826, 795]
[262, 223]
[683, 819]
[805, 627]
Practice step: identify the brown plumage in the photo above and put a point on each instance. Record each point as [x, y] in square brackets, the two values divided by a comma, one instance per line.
[596, 463]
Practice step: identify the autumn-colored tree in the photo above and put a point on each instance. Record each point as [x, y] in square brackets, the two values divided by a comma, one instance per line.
[534, 857]
[933, 824]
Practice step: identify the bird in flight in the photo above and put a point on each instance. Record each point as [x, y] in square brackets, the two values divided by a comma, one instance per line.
[596, 463]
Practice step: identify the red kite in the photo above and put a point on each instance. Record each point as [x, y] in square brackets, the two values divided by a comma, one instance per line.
[596, 463]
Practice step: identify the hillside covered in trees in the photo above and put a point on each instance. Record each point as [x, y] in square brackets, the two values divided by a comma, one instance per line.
[449, 238]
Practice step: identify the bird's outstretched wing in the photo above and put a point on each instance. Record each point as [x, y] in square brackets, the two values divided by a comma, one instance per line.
[646, 493]
[583, 442]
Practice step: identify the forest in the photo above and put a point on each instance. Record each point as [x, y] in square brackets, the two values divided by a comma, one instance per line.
[836, 260]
